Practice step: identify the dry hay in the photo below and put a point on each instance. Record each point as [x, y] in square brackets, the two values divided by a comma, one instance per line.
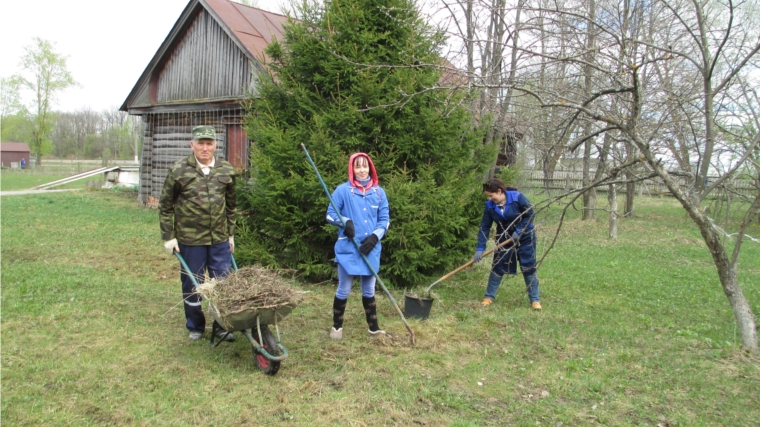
[252, 287]
[420, 294]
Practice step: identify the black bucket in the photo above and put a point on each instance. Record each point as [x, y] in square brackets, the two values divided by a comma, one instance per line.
[417, 307]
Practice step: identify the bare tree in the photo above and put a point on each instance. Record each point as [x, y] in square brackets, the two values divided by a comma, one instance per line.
[666, 85]
[625, 72]
[716, 52]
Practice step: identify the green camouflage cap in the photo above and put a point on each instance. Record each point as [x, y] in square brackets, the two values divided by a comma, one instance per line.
[204, 132]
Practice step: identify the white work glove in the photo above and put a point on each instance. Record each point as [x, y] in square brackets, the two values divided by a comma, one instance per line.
[515, 238]
[171, 246]
[232, 244]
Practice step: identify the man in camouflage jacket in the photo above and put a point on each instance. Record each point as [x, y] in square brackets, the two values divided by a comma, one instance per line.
[197, 216]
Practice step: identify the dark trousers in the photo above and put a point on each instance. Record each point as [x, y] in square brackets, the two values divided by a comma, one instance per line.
[505, 259]
[214, 258]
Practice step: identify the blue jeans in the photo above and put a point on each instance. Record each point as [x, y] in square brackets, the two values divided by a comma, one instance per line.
[346, 281]
[215, 258]
[531, 283]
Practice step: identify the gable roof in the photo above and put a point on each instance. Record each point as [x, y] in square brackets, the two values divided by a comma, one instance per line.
[253, 28]
[250, 29]
[19, 147]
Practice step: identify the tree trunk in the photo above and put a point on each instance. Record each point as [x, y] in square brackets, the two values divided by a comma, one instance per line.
[726, 269]
[589, 204]
[709, 99]
[745, 319]
[589, 197]
[469, 43]
[630, 192]
[612, 198]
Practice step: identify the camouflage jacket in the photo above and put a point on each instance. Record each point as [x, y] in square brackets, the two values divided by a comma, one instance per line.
[197, 209]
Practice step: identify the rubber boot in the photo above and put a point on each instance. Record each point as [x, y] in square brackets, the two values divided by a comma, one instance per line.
[339, 307]
[370, 309]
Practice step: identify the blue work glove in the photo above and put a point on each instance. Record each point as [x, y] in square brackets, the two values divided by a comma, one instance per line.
[368, 244]
[349, 230]
[477, 257]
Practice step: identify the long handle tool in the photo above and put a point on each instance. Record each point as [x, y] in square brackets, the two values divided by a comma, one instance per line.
[427, 290]
[356, 243]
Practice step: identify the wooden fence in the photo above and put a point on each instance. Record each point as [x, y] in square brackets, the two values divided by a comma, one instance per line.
[564, 181]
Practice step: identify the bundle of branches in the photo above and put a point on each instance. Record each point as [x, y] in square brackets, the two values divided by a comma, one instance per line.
[252, 287]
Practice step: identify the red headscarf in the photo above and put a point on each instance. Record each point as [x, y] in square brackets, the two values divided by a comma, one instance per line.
[372, 172]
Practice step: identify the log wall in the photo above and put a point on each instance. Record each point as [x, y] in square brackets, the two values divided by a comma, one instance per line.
[166, 139]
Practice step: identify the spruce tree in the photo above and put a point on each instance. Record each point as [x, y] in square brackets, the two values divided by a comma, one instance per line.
[356, 76]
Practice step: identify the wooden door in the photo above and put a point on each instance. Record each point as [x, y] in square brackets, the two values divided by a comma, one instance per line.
[237, 146]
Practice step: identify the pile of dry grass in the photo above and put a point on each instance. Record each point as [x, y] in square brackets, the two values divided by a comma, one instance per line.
[252, 287]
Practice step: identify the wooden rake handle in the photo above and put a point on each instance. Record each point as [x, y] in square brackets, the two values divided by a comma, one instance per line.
[462, 267]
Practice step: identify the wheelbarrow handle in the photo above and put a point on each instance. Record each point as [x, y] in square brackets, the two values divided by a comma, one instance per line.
[462, 267]
[186, 268]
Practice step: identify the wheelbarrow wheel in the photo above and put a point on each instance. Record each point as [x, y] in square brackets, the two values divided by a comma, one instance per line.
[267, 366]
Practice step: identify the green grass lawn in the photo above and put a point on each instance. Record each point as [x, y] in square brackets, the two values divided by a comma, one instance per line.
[633, 333]
[18, 179]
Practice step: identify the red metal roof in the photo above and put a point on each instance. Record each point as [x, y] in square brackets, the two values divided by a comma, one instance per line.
[254, 28]
[20, 147]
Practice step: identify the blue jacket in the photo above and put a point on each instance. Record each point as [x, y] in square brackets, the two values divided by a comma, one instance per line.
[370, 213]
[516, 217]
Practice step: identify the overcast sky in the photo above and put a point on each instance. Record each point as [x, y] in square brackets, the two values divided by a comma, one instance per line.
[108, 44]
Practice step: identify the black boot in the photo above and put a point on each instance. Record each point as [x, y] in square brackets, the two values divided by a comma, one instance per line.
[339, 307]
[370, 309]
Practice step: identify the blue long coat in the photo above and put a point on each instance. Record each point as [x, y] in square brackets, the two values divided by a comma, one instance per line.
[370, 214]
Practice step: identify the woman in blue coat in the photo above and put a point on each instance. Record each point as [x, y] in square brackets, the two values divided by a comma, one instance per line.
[513, 214]
[364, 208]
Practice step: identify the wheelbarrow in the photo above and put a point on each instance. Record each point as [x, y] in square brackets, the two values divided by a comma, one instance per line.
[268, 352]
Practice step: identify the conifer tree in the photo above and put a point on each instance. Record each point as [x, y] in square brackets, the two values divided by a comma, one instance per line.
[355, 75]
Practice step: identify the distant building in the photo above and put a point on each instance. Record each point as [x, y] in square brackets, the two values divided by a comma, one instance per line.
[11, 154]
[200, 75]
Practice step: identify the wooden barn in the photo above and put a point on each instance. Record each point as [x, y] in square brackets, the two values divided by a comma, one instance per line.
[201, 75]
[11, 154]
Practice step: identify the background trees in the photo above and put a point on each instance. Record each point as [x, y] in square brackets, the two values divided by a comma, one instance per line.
[44, 75]
[14, 124]
[82, 134]
[27, 114]
[355, 76]
[637, 90]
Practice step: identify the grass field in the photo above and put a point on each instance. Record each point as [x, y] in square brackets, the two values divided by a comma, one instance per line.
[633, 333]
[23, 179]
